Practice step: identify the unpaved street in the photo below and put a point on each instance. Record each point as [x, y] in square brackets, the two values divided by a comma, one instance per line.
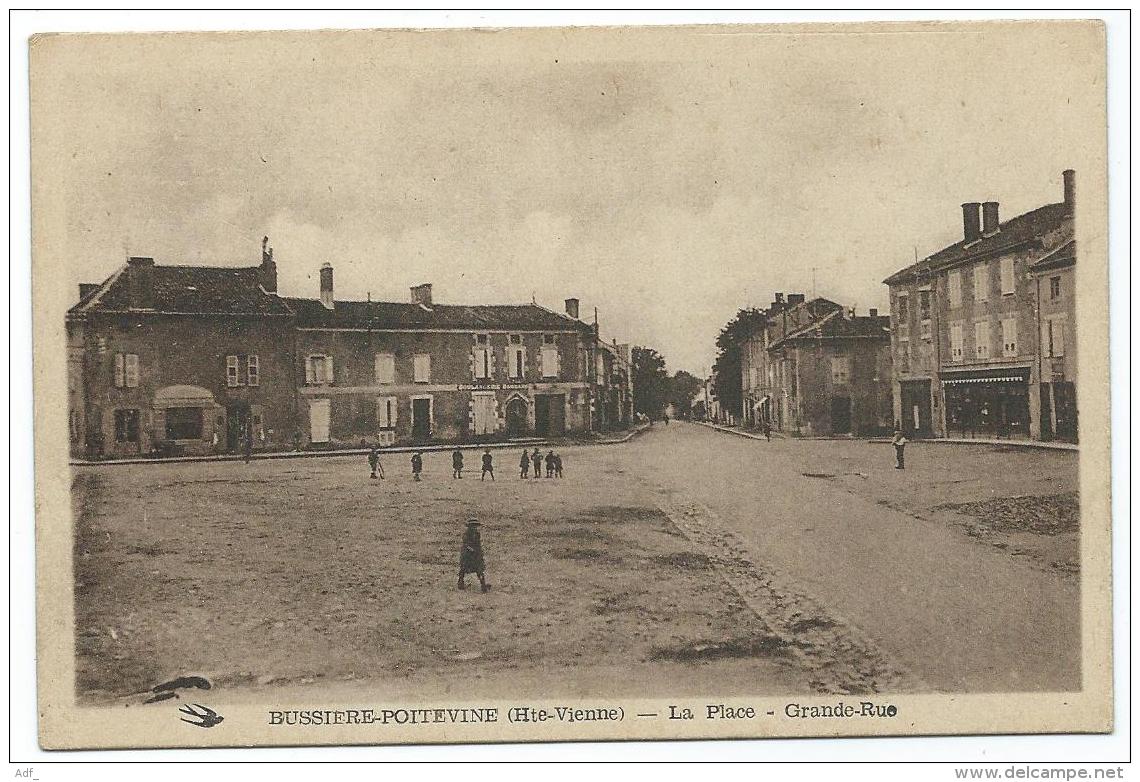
[687, 560]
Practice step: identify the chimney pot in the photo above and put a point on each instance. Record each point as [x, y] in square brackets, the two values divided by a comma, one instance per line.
[971, 221]
[1070, 178]
[327, 285]
[421, 295]
[989, 218]
[140, 282]
[780, 298]
[267, 272]
[572, 308]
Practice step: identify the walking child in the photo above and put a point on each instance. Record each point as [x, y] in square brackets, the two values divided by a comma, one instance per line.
[417, 465]
[899, 442]
[524, 464]
[488, 467]
[457, 463]
[536, 458]
[471, 555]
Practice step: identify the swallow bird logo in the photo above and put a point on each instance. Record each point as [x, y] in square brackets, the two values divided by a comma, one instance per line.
[204, 717]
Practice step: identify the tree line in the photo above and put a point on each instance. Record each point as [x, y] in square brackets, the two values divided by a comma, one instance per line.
[655, 390]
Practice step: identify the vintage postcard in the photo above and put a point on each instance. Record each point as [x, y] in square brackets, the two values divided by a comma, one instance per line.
[420, 386]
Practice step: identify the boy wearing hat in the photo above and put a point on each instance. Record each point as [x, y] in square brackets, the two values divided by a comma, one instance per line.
[899, 442]
[524, 464]
[417, 465]
[471, 555]
[457, 463]
[488, 466]
[536, 457]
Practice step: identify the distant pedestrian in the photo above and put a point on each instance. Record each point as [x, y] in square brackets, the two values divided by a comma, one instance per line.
[248, 444]
[766, 428]
[488, 467]
[550, 464]
[457, 463]
[417, 465]
[557, 465]
[536, 459]
[374, 461]
[899, 442]
[471, 555]
[524, 464]
[665, 416]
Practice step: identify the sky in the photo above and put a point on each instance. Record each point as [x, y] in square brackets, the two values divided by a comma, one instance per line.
[667, 178]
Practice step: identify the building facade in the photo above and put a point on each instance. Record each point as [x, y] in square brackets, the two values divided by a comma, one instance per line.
[814, 368]
[180, 359]
[972, 324]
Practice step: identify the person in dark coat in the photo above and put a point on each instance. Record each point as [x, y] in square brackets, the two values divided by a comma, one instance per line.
[374, 461]
[457, 463]
[557, 465]
[766, 428]
[524, 464]
[536, 458]
[471, 555]
[899, 442]
[417, 465]
[550, 464]
[488, 466]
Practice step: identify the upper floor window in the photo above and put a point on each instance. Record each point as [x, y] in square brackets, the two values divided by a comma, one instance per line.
[242, 371]
[482, 357]
[924, 313]
[956, 339]
[516, 356]
[982, 339]
[981, 282]
[1053, 336]
[421, 368]
[1008, 282]
[902, 312]
[1009, 337]
[318, 369]
[549, 356]
[126, 370]
[1054, 288]
[954, 289]
[385, 368]
[840, 370]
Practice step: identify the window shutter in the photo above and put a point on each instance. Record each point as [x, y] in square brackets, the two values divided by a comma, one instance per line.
[955, 285]
[1058, 337]
[1007, 281]
[981, 282]
[231, 371]
[252, 370]
[119, 376]
[329, 376]
[132, 370]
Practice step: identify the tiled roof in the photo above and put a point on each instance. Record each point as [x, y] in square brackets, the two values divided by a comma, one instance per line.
[392, 315]
[1063, 255]
[196, 290]
[1011, 233]
[835, 326]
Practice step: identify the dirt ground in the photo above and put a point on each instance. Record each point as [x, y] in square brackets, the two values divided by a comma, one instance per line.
[291, 573]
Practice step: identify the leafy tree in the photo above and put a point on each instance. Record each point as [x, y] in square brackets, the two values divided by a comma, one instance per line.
[682, 388]
[727, 367]
[650, 382]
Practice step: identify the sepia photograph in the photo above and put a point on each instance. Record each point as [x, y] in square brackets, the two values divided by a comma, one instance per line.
[435, 386]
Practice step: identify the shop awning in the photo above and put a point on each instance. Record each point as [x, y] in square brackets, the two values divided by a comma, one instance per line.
[183, 396]
[991, 379]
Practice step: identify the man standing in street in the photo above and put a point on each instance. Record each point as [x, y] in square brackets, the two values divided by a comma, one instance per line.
[417, 465]
[457, 463]
[471, 555]
[524, 464]
[536, 459]
[488, 467]
[899, 442]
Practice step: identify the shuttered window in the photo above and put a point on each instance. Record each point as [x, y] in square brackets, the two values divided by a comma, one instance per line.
[385, 368]
[421, 368]
[1009, 337]
[982, 339]
[126, 370]
[956, 338]
[1008, 284]
[252, 370]
[954, 288]
[981, 282]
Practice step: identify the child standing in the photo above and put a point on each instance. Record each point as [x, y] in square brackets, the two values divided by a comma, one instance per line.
[557, 465]
[899, 442]
[550, 463]
[524, 464]
[417, 465]
[374, 463]
[457, 463]
[487, 466]
[536, 458]
[471, 555]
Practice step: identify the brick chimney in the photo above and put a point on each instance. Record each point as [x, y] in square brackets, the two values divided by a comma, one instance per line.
[1070, 178]
[971, 221]
[795, 299]
[140, 283]
[327, 285]
[874, 313]
[572, 308]
[989, 218]
[421, 295]
[267, 272]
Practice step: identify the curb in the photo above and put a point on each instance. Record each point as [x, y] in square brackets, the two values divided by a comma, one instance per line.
[1051, 446]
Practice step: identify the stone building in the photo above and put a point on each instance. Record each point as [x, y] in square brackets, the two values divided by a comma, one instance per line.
[190, 359]
[979, 328]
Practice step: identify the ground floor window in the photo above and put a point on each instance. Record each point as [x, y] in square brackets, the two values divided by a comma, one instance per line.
[126, 426]
[184, 423]
[997, 409]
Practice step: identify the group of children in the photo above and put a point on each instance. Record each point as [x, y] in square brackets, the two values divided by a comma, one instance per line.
[553, 464]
